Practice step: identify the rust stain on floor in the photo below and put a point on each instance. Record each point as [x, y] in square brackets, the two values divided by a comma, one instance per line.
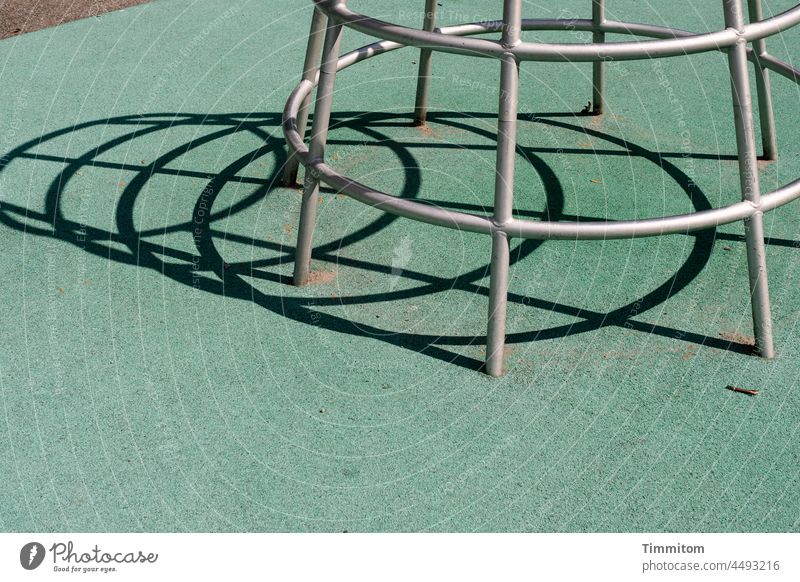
[321, 277]
[736, 337]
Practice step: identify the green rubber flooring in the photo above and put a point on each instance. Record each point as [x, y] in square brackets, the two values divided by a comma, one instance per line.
[160, 373]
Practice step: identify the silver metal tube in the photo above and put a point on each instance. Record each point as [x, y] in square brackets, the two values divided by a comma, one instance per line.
[781, 196]
[504, 189]
[425, 61]
[310, 69]
[766, 114]
[759, 287]
[773, 25]
[498, 305]
[598, 67]
[316, 152]
[366, 52]
[544, 230]
[502, 226]
[559, 52]
[748, 174]
[784, 69]
[610, 26]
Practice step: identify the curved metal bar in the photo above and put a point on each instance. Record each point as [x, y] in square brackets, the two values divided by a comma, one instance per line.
[523, 228]
[362, 193]
[313, 49]
[384, 46]
[781, 196]
[526, 51]
[510, 50]
[580, 25]
[783, 69]
[547, 230]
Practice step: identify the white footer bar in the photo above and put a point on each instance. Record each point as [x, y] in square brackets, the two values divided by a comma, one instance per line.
[389, 557]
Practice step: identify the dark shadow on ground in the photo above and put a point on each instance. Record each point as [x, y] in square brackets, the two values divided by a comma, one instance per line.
[208, 271]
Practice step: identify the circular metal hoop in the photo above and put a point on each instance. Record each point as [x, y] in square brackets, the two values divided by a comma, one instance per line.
[510, 50]
[450, 37]
[527, 51]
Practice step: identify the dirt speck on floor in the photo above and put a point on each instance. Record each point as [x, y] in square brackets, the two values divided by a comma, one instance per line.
[736, 337]
[425, 129]
[321, 277]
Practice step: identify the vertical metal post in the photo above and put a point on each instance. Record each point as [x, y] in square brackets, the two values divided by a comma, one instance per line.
[316, 151]
[504, 188]
[748, 172]
[424, 75]
[599, 67]
[763, 89]
[310, 68]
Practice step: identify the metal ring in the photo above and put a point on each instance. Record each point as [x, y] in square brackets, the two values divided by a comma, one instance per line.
[527, 51]
[522, 228]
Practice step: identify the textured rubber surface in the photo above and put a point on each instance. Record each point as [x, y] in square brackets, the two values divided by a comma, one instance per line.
[158, 371]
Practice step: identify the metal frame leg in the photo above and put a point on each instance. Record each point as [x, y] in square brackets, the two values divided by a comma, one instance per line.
[425, 60]
[599, 67]
[316, 151]
[310, 68]
[748, 172]
[504, 189]
[763, 89]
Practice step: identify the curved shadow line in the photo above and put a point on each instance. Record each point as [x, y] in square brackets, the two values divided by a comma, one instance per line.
[297, 308]
[692, 266]
[593, 320]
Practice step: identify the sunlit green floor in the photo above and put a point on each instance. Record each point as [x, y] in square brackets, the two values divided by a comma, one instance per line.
[159, 372]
